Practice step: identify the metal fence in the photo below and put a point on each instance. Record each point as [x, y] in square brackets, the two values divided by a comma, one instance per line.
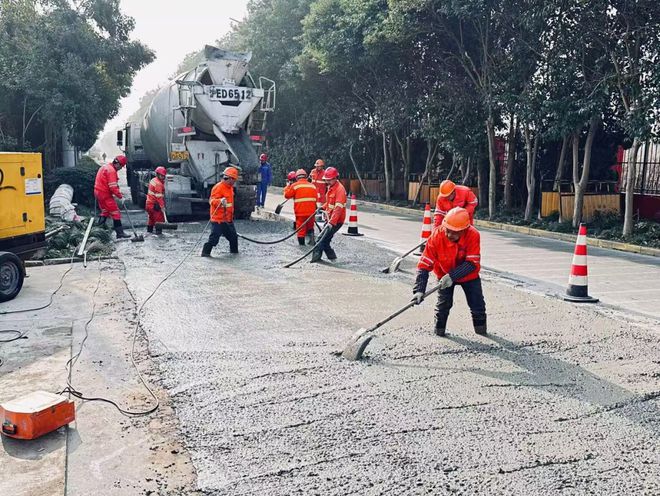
[647, 177]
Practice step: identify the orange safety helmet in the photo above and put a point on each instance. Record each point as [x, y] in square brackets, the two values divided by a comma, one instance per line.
[301, 172]
[457, 219]
[447, 187]
[121, 160]
[319, 163]
[291, 176]
[231, 172]
[161, 170]
[331, 173]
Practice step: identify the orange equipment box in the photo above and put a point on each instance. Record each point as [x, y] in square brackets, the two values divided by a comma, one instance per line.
[35, 414]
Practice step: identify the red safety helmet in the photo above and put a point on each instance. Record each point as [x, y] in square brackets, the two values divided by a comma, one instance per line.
[161, 170]
[331, 173]
[231, 172]
[457, 219]
[263, 157]
[447, 187]
[291, 176]
[301, 172]
[319, 163]
[121, 160]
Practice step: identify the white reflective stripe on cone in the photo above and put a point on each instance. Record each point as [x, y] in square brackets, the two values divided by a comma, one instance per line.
[577, 280]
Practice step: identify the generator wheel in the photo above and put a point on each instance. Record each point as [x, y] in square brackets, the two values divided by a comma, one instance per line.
[11, 276]
[244, 202]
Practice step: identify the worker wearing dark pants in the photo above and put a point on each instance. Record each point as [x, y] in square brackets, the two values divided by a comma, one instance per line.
[226, 230]
[324, 243]
[453, 253]
[221, 205]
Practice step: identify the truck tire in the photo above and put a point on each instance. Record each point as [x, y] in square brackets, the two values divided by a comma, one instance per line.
[11, 276]
[244, 202]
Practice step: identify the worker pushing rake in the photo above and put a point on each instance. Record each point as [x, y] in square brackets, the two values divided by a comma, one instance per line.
[453, 253]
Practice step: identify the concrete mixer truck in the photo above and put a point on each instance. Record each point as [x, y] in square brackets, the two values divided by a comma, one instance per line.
[202, 121]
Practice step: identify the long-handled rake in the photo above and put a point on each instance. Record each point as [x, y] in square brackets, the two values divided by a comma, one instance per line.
[360, 340]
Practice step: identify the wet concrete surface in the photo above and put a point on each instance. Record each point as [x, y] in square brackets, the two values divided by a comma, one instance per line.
[558, 399]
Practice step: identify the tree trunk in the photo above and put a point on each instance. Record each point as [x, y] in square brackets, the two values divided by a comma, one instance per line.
[386, 167]
[511, 154]
[492, 176]
[531, 148]
[631, 173]
[581, 184]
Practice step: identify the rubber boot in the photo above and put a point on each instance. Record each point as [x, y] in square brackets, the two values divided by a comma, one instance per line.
[330, 253]
[479, 322]
[150, 229]
[206, 250]
[119, 229]
[316, 255]
[441, 324]
[301, 241]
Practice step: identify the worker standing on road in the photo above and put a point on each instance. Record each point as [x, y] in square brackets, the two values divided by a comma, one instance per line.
[335, 208]
[316, 177]
[222, 213]
[266, 174]
[155, 205]
[304, 205]
[453, 252]
[452, 196]
[106, 189]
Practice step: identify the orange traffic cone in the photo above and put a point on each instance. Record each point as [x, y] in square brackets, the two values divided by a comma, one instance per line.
[577, 290]
[352, 219]
[427, 227]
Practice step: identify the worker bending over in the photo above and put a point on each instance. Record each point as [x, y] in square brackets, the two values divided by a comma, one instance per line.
[106, 189]
[155, 205]
[304, 205]
[222, 213]
[335, 208]
[451, 196]
[453, 252]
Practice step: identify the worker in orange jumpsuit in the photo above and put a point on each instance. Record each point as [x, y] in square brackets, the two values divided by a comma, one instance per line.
[222, 213]
[453, 252]
[316, 178]
[450, 196]
[304, 205]
[106, 189]
[155, 205]
[335, 209]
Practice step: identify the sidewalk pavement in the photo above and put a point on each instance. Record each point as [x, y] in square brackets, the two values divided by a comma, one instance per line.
[628, 281]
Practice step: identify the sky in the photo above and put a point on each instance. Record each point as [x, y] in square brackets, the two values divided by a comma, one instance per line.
[172, 29]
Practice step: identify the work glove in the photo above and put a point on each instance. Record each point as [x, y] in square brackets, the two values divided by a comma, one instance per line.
[418, 297]
[223, 202]
[446, 282]
[156, 208]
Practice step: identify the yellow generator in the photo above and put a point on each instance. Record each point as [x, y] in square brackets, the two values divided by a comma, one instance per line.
[22, 221]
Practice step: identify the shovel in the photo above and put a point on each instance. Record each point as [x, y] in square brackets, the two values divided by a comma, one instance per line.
[166, 225]
[394, 266]
[137, 238]
[278, 209]
[360, 340]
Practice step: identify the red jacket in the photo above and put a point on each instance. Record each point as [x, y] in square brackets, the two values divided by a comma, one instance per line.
[219, 213]
[464, 198]
[442, 256]
[316, 176]
[304, 197]
[156, 194]
[335, 204]
[107, 182]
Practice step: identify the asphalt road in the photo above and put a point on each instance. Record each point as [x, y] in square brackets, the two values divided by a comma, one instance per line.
[558, 399]
[625, 280]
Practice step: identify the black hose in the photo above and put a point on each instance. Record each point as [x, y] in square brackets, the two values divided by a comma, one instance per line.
[278, 240]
